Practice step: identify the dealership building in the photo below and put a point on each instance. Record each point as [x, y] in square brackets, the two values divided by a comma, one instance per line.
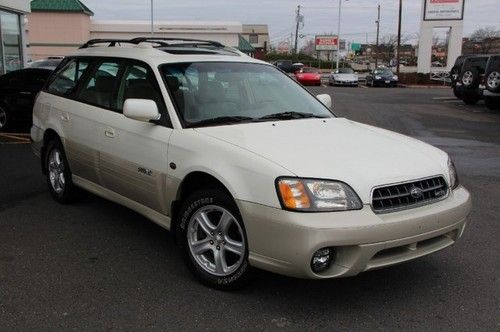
[12, 37]
[59, 27]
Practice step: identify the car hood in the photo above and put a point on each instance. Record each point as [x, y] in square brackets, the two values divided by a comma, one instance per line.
[346, 77]
[339, 149]
[384, 76]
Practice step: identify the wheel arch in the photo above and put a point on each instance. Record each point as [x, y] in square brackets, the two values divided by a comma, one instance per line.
[193, 181]
[48, 136]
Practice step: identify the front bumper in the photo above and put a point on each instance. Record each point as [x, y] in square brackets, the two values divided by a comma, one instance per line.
[348, 83]
[385, 82]
[284, 242]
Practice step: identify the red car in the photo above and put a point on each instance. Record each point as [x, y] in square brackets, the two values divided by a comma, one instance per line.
[308, 76]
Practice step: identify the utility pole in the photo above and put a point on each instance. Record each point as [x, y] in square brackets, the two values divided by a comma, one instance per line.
[152, 19]
[338, 35]
[399, 36]
[297, 18]
[378, 31]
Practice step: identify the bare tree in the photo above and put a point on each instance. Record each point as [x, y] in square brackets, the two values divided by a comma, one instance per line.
[388, 44]
[484, 38]
[308, 48]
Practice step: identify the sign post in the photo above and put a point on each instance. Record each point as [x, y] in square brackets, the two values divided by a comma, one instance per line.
[439, 14]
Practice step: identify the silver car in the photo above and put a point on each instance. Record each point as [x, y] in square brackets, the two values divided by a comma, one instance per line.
[343, 76]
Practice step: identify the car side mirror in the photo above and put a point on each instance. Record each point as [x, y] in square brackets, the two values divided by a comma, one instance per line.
[141, 110]
[325, 100]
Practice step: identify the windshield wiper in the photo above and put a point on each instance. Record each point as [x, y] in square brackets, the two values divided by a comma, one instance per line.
[290, 115]
[220, 120]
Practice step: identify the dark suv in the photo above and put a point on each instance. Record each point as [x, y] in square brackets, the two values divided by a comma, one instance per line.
[472, 78]
[492, 76]
[455, 75]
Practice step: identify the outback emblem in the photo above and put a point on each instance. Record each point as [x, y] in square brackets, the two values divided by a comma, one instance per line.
[145, 171]
[416, 192]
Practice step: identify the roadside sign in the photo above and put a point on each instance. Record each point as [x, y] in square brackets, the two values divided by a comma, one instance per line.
[325, 43]
[443, 10]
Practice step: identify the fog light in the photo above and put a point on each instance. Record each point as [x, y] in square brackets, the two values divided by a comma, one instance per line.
[322, 259]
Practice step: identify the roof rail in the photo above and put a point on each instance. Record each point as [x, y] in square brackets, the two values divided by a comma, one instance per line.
[183, 41]
[112, 42]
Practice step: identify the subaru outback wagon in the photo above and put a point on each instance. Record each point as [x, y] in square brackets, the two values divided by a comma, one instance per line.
[241, 163]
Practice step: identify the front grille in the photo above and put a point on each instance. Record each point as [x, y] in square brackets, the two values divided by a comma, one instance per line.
[408, 195]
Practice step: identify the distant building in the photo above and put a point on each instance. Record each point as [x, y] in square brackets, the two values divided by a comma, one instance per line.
[12, 38]
[59, 27]
[258, 36]
[485, 46]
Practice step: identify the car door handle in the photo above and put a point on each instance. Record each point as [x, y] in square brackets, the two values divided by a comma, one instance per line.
[109, 133]
[64, 117]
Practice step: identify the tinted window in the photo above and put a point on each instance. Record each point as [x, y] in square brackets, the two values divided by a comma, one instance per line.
[346, 71]
[67, 77]
[309, 70]
[98, 88]
[138, 83]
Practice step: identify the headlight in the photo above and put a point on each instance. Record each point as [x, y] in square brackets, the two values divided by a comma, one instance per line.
[378, 77]
[453, 174]
[316, 195]
[395, 77]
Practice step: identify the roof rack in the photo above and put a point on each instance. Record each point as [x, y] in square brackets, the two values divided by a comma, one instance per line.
[112, 42]
[183, 41]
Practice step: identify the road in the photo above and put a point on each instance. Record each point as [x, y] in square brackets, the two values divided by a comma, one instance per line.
[95, 265]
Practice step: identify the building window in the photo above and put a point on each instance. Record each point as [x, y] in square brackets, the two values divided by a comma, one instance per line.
[10, 42]
[253, 38]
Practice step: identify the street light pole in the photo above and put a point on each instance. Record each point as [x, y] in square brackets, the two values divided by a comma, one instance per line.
[152, 19]
[378, 31]
[338, 34]
[398, 58]
[297, 18]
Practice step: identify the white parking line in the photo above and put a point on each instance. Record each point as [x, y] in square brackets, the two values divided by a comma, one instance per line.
[444, 98]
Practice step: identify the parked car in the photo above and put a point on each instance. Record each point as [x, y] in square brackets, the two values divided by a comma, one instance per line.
[241, 163]
[343, 76]
[455, 71]
[492, 92]
[47, 63]
[285, 65]
[382, 77]
[18, 90]
[472, 78]
[308, 76]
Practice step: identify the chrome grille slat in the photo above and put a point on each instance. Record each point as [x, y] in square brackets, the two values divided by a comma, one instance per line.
[399, 196]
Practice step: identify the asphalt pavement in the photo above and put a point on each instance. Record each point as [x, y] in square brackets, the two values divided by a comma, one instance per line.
[95, 265]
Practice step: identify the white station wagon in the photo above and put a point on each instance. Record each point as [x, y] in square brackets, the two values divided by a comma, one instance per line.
[241, 163]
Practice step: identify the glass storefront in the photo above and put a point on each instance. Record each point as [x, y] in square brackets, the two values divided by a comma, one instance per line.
[10, 42]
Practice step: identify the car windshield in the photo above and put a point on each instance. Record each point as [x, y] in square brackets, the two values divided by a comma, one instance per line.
[213, 93]
[310, 70]
[383, 72]
[346, 71]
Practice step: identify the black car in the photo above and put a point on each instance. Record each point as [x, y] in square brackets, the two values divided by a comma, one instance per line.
[381, 77]
[492, 82]
[18, 90]
[471, 79]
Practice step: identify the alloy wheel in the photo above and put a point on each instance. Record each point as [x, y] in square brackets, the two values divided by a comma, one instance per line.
[493, 80]
[216, 240]
[467, 78]
[56, 171]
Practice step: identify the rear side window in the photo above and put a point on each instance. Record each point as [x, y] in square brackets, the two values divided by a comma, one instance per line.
[100, 85]
[139, 83]
[67, 77]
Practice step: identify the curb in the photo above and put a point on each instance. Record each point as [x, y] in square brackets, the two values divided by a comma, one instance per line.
[424, 86]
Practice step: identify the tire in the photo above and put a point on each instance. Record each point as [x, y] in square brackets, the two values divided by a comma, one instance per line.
[455, 74]
[216, 255]
[58, 173]
[470, 97]
[4, 119]
[470, 78]
[457, 92]
[492, 103]
[493, 81]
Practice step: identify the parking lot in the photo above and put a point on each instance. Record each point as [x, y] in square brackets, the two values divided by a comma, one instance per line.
[95, 265]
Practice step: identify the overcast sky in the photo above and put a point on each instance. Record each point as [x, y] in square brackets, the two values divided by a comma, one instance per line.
[358, 16]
